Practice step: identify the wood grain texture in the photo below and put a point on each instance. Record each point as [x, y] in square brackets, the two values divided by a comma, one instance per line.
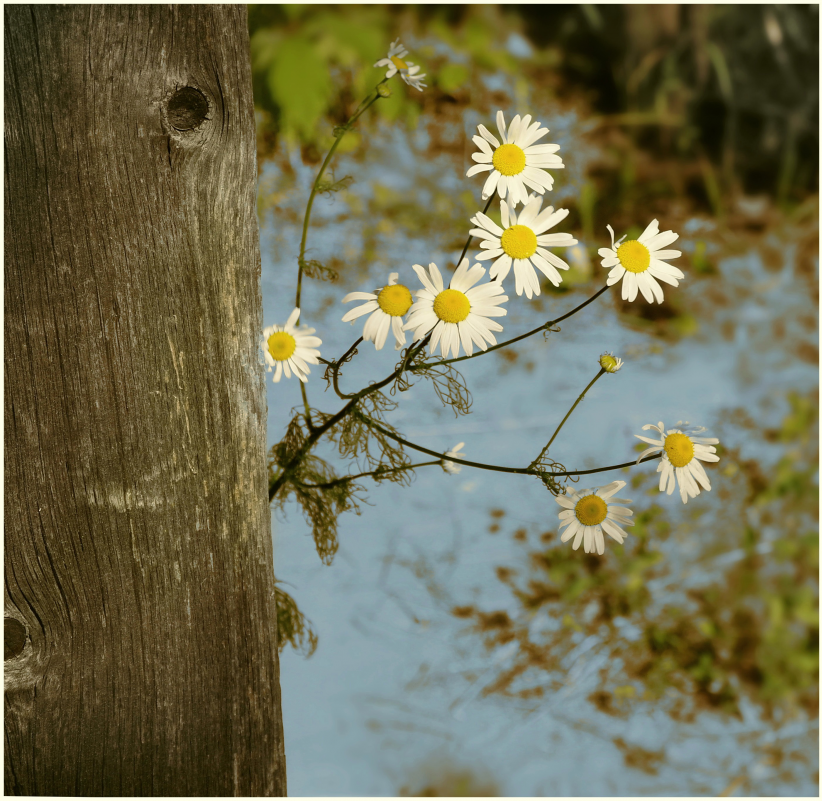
[138, 551]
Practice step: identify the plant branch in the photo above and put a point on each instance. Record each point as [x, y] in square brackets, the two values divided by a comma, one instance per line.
[373, 473]
[344, 130]
[559, 427]
[335, 368]
[526, 471]
[543, 327]
[318, 431]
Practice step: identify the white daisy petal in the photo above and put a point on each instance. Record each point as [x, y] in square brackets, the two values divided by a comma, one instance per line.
[386, 311]
[289, 349]
[680, 465]
[458, 316]
[517, 244]
[589, 514]
[641, 263]
[521, 163]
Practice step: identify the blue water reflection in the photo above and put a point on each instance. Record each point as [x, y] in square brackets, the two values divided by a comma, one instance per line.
[391, 684]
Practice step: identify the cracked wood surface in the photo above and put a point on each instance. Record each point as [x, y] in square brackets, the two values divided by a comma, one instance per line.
[138, 554]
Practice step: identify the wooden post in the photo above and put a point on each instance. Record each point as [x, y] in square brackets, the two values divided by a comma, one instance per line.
[140, 621]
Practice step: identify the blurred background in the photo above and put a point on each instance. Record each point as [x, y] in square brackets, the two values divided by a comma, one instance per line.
[461, 649]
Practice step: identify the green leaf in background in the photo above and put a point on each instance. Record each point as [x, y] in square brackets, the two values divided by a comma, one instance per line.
[353, 42]
[300, 85]
[452, 76]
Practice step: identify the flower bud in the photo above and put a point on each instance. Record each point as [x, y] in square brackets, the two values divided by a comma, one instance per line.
[609, 363]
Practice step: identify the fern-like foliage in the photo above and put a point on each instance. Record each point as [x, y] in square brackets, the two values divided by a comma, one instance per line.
[328, 186]
[448, 382]
[317, 270]
[554, 484]
[357, 438]
[321, 505]
[293, 627]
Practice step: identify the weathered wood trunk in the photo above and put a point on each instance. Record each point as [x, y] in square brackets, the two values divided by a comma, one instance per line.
[141, 643]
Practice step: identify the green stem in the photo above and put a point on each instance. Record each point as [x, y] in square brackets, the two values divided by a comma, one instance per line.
[308, 419]
[318, 431]
[361, 109]
[335, 369]
[379, 473]
[345, 128]
[543, 327]
[570, 411]
[527, 471]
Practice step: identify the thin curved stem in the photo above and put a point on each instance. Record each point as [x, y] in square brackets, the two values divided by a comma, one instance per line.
[559, 427]
[526, 471]
[335, 368]
[373, 473]
[318, 431]
[308, 419]
[543, 327]
[345, 128]
[361, 109]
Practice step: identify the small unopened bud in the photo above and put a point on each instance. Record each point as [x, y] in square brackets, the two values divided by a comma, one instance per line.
[383, 90]
[609, 362]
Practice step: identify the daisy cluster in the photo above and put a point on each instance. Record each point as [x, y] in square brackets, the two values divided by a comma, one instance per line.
[461, 314]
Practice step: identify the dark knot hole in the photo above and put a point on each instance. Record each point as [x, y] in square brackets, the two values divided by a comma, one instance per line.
[14, 638]
[187, 109]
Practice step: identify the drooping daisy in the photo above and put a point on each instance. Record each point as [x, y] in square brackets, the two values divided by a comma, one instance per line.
[639, 262]
[522, 242]
[610, 363]
[586, 512]
[516, 162]
[407, 70]
[452, 467]
[458, 314]
[681, 453]
[290, 349]
[387, 304]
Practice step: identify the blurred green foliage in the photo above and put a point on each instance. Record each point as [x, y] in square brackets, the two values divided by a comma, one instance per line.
[740, 621]
[732, 90]
[312, 65]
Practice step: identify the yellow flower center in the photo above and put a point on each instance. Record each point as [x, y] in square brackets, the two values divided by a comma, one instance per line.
[451, 306]
[634, 256]
[509, 159]
[591, 510]
[519, 242]
[281, 345]
[399, 63]
[679, 448]
[608, 363]
[395, 300]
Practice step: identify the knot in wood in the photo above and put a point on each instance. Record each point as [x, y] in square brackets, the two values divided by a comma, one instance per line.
[187, 109]
[14, 638]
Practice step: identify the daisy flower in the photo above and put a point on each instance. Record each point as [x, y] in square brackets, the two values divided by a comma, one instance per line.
[458, 314]
[641, 263]
[516, 162]
[681, 454]
[387, 305]
[610, 363]
[587, 512]
[290, 349]
[407, 70]
[522, 242]
[452, 467]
